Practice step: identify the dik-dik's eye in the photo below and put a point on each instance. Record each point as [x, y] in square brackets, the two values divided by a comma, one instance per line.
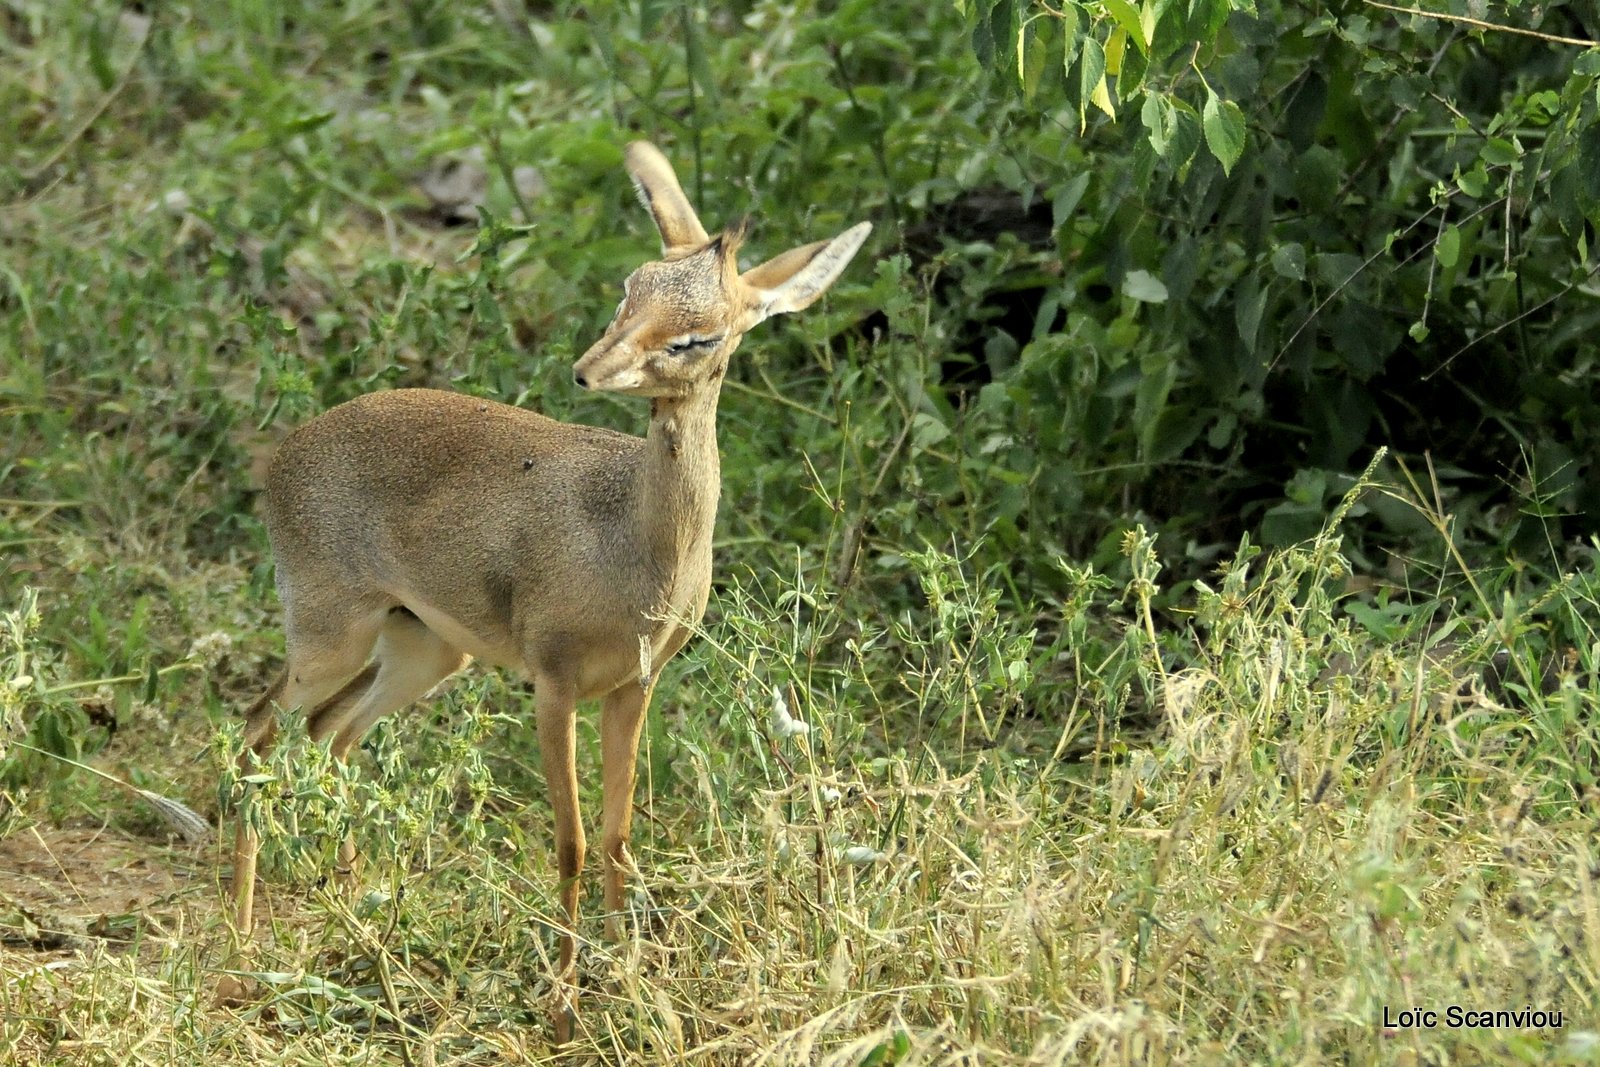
[679, 346]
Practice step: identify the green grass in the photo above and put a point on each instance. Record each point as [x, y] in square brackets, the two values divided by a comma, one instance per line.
[1045, 810]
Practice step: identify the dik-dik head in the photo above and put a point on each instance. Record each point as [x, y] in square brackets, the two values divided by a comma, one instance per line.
[682, 316]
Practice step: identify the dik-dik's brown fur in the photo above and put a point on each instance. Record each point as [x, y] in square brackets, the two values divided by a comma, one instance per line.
[416, 530]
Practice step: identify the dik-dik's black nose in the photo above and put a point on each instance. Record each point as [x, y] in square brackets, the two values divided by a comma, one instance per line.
[583, 383]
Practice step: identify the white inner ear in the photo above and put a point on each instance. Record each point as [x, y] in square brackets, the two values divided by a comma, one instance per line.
[812, 280]
[642, 193]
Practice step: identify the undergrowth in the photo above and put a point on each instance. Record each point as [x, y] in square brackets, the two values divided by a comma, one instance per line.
[1327, 826]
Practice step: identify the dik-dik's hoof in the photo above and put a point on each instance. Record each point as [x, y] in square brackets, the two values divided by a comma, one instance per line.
[232, 991]
[563, 1017]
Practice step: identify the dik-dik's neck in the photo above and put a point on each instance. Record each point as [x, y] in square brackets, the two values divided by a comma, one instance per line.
[682, 477]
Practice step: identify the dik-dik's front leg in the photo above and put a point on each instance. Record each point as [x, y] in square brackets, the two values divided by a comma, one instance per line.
[621, 719]
[555, 708]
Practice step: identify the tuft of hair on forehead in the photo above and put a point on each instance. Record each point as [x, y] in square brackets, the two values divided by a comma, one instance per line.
[724, 247]
[732, 237]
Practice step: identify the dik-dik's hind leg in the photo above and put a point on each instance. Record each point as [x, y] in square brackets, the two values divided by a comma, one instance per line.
[261, 727]
[321, 661]
[409, 660]
[260, 731]
[621, 719]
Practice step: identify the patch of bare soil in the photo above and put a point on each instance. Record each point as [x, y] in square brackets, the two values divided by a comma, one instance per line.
[60, 887]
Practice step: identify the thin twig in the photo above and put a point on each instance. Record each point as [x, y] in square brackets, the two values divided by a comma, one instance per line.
[1369, 261]
[844, 567]
[1284, 349]
[1480, 24]
[508, 173]
[1513, 321]
[121, 679]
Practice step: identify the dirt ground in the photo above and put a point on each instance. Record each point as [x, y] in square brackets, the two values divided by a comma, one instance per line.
[59, 887]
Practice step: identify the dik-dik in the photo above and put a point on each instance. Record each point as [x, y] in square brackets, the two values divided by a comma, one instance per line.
[416, 530]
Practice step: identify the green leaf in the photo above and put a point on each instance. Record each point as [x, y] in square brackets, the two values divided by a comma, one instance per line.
[982, 42]
[1116, 45]
[1144, 287]
[1185, 133]
[1289, 260]
[1248, 308]
[1448, 247]
[1303, 113]
[1157, 373]
[1338, 268]
[1499, 152]
[1474, 181]
[1066, 200]
[1030, 59]
[1288, 524]
[1023, 35]
[1589, 160]
[1071, 36]
[927, 431]
[1381, 623]
[1221, 433]
[651, 13]
[1092, 76]
[1543, 106]
[1322, 24]
[306, 123]
[1207, 16]
[1004, 23]
[1308, 487]
[699, 64]
[1159, 119]
[1127, 17]
[100, 55]
[1224, 129]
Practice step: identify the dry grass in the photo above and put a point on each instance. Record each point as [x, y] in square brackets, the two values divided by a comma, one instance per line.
[1305, 846]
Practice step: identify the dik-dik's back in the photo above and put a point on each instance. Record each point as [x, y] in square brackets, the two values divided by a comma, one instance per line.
[476, 516]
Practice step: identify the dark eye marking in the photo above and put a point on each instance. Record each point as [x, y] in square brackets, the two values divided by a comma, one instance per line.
[683, 345]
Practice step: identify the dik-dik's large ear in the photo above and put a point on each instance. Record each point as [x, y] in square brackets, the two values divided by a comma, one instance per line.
[660, 192]
[795, 279]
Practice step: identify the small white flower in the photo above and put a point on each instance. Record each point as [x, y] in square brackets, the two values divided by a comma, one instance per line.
[863, 855]
[210, 648]
[784, 724]
[152, 716]
[830, 795]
